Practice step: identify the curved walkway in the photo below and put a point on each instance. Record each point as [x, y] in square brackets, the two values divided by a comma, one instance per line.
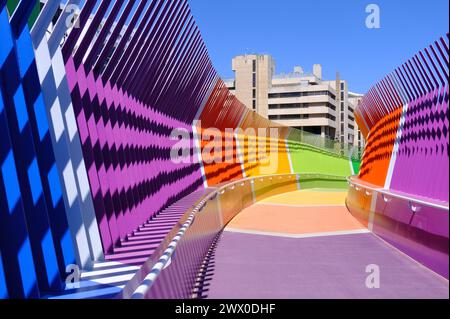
[305, 244]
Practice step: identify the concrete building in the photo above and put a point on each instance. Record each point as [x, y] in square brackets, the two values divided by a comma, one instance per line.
[354, 100]
[253, 81]
[298, 99]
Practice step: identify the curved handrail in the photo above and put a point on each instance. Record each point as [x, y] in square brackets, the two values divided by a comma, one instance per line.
[387, 194]
[415, 226]
[165, 258]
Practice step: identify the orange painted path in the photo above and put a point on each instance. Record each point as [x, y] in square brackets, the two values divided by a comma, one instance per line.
[298, 213]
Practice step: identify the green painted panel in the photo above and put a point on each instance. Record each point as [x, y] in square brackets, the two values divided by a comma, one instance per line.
[309, 160]
[356, 166]
[12, 4]
[325, 184]
[34, 14]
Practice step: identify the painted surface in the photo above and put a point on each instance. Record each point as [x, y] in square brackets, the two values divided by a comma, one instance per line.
[322, 250]
[36, 244]
[317, 197]
[405, 117]
[307, 183]
[12, 4]
[271, 160]
[423, 235]
[87, 121]
[356, 166]
[406, 121]
[307, 159]
[222, 111]
[257, 266]
[421, 167]
[292, 220]
[378, 152]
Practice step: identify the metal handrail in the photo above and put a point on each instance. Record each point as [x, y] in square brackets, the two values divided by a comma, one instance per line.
[325, 144]
[386, 194]
[165, 258]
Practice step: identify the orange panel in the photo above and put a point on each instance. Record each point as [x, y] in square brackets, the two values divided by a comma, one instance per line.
[222, 111]
[378, 151]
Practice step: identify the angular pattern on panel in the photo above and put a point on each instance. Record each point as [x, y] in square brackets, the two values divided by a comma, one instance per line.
[36, 243]
[125, 126]
[406, 119]
[90, 111]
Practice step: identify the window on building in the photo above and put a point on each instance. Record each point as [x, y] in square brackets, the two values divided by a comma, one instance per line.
[254, 93]
[254, 80]
[285, 106]
[299, 94]
[254, 65]
[254, 104]
[291, 94]
[342, 117]
[291, 116]
[285, 117]
[342, 86]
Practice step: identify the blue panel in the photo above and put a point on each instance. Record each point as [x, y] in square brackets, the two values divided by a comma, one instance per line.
[67, 247]
[21, 108]
[3, 289]
[51, 264]
[55, 186]
[35, 181]
[11, 181]
[41, 117]
[6, 44]
[1, 101]
[25, 54]
[26, 266]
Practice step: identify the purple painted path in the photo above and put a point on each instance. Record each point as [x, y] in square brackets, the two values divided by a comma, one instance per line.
[267, 267]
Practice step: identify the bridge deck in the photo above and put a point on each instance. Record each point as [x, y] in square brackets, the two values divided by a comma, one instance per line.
[292, 246]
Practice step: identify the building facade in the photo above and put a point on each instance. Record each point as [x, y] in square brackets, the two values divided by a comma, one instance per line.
[298, 99]
[354, 100]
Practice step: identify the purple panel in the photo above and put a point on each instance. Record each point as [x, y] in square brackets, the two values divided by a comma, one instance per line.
[421, 167]
[126, 138]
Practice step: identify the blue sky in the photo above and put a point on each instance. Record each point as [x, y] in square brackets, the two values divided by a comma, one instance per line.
[329, 32]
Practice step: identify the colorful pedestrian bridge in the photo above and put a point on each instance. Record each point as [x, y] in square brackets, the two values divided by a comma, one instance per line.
[128, 170]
